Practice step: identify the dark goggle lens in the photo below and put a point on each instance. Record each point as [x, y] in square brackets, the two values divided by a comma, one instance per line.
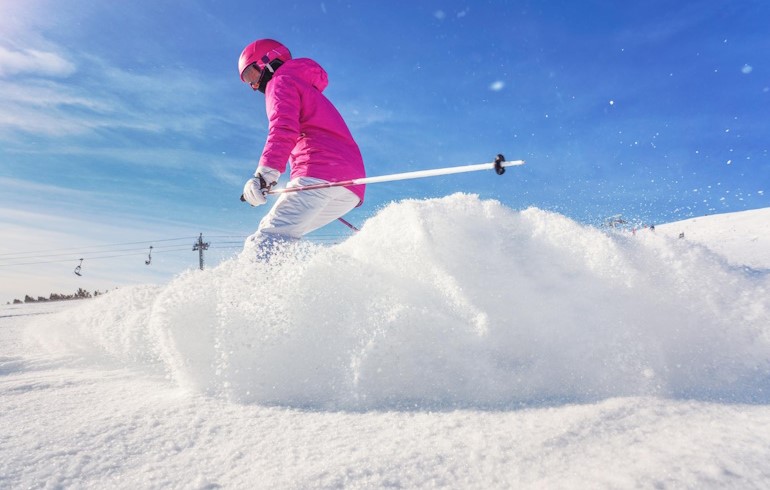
[251, 74]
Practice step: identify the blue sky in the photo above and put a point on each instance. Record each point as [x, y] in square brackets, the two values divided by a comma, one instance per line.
[124, 123]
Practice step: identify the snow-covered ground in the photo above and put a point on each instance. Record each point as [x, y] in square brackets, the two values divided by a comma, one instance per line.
[451, 343]
[742, 238]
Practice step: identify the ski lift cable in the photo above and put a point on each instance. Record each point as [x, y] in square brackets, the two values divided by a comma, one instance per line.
[97, 257]
[94, 252]
[69, 254]
[108, 248]
[96, 246]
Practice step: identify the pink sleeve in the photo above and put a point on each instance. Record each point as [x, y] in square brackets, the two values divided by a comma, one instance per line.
[282, 103]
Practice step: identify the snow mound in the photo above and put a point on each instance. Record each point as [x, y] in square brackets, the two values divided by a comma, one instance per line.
[445, 303]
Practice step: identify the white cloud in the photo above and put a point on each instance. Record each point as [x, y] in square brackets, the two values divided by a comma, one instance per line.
[33, 61]
[111, 98]
[41, 106]
[497, 86]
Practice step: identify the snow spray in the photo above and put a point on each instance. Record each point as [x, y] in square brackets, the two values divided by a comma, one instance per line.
[444, 303]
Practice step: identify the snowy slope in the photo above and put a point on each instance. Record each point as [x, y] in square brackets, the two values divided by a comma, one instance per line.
[742, 238]
[451, 343]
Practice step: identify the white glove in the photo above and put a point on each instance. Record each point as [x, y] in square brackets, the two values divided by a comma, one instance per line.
[255, 189]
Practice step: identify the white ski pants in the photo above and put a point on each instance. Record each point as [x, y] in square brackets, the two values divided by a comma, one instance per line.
[297, 213]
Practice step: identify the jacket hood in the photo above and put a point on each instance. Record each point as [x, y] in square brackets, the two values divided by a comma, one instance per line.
[307, 70]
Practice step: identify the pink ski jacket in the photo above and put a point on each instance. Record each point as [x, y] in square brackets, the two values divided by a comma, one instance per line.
[306, 130]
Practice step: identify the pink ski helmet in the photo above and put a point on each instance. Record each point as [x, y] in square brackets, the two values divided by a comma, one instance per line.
[262, 52]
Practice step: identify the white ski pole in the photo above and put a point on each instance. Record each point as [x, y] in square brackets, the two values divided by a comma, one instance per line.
[498, 165]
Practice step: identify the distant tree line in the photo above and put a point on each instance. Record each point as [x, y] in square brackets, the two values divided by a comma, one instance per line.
[80, 294]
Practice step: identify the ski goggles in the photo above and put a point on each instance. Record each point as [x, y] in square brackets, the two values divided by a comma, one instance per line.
[252, 74]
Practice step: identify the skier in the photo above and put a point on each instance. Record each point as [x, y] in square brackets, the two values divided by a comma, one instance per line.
[305, 129]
